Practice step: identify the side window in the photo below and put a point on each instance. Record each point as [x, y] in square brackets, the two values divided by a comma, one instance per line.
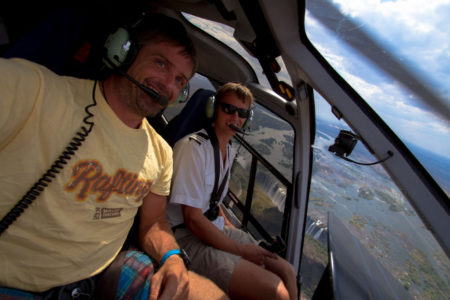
[239, 181]
[375, 211]
[262, 172]
[273, 138]
[268, 202]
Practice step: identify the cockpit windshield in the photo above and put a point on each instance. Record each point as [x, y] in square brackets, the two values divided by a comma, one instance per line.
[395, 54]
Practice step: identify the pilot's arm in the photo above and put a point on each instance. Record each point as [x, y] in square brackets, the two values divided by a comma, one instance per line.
[226, 220]
[211, 235]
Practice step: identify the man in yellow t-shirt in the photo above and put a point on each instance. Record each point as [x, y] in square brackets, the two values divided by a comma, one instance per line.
[84, 206]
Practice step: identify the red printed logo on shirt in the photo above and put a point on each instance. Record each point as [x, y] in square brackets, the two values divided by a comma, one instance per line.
[88, 178]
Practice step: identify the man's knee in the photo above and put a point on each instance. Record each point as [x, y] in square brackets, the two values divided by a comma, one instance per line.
[282, 292]
[282, 268]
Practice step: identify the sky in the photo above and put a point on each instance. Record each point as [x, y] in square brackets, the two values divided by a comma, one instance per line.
[418, 33]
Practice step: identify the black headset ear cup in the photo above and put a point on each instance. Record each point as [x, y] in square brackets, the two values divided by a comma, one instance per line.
[120, 49]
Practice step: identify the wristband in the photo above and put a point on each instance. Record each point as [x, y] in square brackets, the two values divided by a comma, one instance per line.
[169, 254]
[181, 253]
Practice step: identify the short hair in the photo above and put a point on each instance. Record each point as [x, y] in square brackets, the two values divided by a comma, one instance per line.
[155, 28]
[241, 91]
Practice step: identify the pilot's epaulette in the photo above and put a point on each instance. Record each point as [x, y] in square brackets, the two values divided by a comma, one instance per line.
[199, 137]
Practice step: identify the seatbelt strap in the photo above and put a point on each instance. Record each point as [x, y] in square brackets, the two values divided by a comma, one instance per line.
[216, 194]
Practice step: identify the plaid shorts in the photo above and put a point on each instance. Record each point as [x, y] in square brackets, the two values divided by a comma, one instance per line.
[128, 277]
[134, 281]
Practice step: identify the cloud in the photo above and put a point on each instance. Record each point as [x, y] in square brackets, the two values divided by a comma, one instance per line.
[421, 16]
[416, 27]
[402, 112]
[414, 30]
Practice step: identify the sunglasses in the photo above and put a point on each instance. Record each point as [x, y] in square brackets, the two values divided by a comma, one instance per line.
[231, 109]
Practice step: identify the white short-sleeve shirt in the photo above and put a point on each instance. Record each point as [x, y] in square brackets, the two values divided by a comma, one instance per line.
[194, 175]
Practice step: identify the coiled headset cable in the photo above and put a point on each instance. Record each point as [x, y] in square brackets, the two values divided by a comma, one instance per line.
[55, 168]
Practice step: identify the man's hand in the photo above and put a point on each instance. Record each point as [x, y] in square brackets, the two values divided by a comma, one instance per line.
[171, 281]
[255, 253]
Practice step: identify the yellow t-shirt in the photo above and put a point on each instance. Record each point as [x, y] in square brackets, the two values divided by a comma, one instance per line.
[77, 225]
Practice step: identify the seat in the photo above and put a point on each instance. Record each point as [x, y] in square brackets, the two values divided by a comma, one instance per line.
[191, 118]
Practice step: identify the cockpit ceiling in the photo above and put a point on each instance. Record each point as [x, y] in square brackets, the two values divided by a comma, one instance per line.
[228, 65]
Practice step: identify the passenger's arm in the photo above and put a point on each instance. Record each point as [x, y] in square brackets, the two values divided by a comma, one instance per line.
[156, 238]
[226, 220]
[211, 235]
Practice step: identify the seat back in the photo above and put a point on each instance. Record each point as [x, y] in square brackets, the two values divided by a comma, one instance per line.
[67, 41]
[191, 118]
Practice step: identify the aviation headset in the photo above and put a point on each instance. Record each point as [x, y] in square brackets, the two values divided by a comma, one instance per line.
[212, 105]
[121, 49]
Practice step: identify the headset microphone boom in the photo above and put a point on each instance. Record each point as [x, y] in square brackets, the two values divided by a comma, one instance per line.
[163, 101]
[235, 128]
